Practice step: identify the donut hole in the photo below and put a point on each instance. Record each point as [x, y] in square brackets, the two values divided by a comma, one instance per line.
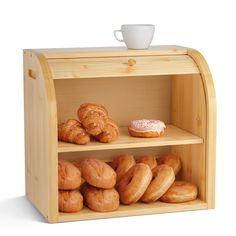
[153, 177]
[154, 173]
[129, 181]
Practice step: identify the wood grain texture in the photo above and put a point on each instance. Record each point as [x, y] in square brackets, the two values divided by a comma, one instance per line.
[111, 51]
[172, 136]
[189, 113]
[210, 140]
[126, 98]
[135, 209]
[118, 66]
[40, 136]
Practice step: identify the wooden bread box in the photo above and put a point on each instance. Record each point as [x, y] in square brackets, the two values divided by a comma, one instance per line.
[171, 83]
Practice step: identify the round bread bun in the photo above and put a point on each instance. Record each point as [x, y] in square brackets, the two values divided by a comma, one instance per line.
[170, 160]
[147, 159]
[70, 201]
[134, 183]
[97, 173]
[101, 200]
[121, 164]
[163, 178]
[180, 191]
[69, 176]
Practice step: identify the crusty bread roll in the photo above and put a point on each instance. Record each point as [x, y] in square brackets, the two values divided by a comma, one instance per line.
[97, 173]
[101, 200]
[69, 176]
[70, 201]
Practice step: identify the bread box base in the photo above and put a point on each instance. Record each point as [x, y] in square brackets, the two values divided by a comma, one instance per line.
[133, 210]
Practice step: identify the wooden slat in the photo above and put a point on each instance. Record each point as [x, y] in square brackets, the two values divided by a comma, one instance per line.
[135, 209]
[172, 136]
[118, 66]
[110, 51]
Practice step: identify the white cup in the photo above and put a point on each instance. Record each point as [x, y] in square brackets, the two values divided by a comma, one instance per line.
[136, 36]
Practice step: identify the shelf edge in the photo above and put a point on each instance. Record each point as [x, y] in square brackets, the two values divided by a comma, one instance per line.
[163, 208]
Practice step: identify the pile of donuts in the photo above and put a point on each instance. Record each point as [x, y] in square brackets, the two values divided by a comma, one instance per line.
[103, 186]
[93, 121]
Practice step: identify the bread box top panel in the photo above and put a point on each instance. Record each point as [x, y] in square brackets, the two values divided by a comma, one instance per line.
[110, 52]
[120, 66]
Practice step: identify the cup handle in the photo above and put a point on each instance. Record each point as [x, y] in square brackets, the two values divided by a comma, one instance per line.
[115, 34]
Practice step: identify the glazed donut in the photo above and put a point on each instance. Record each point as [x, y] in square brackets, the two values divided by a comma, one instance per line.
[147, 159]
[69, 177]
[134, 183]
[163, 178]
[170, 160]
[97, 173]
[70, 201]
[101, 200]
[122, 164]
[146, 128]
[180, 191]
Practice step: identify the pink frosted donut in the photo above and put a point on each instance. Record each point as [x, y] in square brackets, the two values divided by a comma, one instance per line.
[146, 128]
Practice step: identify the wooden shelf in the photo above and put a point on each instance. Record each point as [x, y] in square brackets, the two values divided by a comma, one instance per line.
[136, 209]
[173, 136]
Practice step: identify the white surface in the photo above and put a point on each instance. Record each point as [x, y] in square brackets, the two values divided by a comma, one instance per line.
[136, 36]
[205, 25]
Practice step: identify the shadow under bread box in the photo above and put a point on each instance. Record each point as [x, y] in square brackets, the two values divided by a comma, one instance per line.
[171, 83]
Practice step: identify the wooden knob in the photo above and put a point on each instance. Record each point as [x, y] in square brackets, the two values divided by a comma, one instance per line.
[131, 62]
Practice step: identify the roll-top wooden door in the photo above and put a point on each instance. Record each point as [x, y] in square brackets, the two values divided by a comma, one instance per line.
[71, 68]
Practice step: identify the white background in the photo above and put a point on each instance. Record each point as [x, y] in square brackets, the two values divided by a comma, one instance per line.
[208, 26]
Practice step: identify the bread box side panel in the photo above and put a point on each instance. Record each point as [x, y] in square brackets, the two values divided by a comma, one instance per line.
[40, 136]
